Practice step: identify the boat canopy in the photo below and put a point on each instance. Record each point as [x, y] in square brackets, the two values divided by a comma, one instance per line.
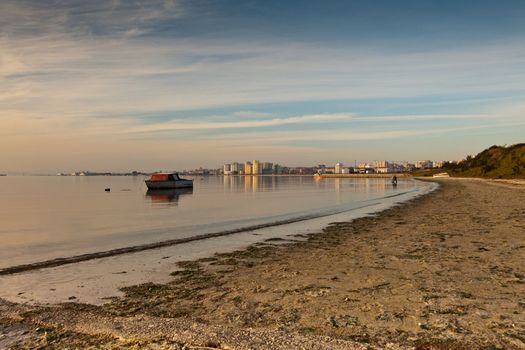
[165, 177]
[160, 177]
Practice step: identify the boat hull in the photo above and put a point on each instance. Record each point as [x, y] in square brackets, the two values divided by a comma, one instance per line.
[157, 185]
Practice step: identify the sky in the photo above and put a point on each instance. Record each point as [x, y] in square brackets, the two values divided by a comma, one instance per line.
[120, 85]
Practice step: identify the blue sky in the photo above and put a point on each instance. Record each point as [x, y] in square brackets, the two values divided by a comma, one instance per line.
[121, 85]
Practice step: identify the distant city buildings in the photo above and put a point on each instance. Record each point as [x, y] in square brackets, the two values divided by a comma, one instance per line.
[236, 168]
[408, 166]
[255, 167]
[383, 167]
[267, 168]
[424, 164]
[438, 164]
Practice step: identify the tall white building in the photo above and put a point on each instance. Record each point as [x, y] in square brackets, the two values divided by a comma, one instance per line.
[383, 167]
[236, 168]
[438, 164]
[247, 168]
[339, 168]
[256, 167]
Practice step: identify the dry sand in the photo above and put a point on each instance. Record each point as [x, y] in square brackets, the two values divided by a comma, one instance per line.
[445, 271]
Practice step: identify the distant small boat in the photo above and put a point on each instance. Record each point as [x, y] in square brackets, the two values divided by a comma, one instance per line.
[166, 181]
[441, 175]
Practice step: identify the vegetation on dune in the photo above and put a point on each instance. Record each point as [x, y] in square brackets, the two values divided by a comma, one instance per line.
[499, 162]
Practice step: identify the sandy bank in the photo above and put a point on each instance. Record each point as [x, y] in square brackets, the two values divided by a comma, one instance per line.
[444, 271]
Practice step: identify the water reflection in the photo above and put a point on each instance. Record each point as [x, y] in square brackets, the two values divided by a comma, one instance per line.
[235, 183]
[168, 195]
[74, 215]
[259, 183]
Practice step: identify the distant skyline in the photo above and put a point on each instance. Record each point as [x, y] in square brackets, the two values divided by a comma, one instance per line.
[146, 85]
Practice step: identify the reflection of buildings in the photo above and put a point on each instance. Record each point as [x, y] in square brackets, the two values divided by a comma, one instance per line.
[252, 183]
[230, 182]
[255, 183]
[362, 185]
[168, 195]
[341, 186]
[247, 183]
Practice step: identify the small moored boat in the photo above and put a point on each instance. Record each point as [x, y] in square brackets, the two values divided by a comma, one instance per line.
[166, 181]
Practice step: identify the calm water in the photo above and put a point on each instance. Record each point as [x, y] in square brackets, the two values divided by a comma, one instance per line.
[47, 217]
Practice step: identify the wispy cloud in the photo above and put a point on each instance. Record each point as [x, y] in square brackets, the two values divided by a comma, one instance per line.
[77, 17]
[428, 117]
[290, 137]
[184, 125]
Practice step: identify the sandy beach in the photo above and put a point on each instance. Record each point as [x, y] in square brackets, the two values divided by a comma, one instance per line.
[443, 271]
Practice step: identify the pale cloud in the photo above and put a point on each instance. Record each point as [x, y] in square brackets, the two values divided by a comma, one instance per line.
[252, 114]
[286, 137]
[78, 17]
[512, 110]
[428, 117]
[106, 75]
[184, 125]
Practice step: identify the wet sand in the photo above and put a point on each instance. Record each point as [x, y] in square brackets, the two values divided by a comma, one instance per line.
[444, 271]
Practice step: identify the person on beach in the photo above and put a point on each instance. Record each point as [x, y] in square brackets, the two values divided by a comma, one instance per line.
[394, 180]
